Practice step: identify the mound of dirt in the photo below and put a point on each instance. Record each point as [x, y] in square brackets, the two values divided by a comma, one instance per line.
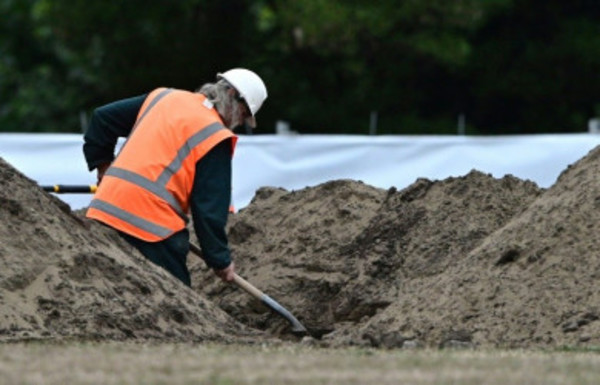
[62, 276]
[342, 252]
[532, 283]
[470, 261]
[295, 247]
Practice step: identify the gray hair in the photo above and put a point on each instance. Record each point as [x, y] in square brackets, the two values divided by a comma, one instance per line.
[226, 105]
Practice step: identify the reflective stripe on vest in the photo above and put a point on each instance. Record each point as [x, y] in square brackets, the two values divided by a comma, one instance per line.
[107, 205]
[149, 185]
[156, 99]
[185, 150]
[158, 188]
[143, 224]
[161, 95]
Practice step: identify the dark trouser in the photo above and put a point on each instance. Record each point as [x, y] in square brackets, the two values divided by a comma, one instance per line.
[170, 253]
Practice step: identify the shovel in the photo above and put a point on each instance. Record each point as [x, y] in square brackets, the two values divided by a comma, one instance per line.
[297, 327]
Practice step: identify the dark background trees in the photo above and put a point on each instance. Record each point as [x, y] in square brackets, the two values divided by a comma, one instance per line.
[507, 66]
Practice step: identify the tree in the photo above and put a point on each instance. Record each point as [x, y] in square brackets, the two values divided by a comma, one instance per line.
[535, 69]
[32, 77]
[90, 52]
[510, 67]
[336, 61]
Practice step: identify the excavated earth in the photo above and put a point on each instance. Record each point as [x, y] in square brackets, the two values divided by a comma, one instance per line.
[469, 261]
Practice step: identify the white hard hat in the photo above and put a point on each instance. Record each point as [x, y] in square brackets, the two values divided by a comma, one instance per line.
[249, 85]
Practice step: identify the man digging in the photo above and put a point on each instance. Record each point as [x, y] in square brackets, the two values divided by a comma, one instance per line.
[176, 161]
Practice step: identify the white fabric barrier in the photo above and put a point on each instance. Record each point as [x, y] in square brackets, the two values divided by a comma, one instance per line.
[297, 161]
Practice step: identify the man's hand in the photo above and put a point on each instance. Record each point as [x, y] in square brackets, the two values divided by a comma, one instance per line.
[227, 273]
[101, 169]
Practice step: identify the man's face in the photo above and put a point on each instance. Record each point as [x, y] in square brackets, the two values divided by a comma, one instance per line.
[239, 111]
[245, 111]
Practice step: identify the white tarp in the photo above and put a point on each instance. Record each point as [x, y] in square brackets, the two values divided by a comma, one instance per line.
[297, 161]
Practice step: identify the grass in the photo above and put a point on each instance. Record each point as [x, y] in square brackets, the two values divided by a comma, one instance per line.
[129, 363]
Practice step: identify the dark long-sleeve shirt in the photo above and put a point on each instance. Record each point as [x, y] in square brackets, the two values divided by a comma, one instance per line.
[211, 192]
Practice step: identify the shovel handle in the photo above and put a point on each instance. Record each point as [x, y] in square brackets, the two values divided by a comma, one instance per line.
[65, 189]
[248, 287]
[297, 327]
[241, 282]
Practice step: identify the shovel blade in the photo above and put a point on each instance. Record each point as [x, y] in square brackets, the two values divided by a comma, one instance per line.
[297, 327]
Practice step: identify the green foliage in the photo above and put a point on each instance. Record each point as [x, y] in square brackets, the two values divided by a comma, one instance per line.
[339, 60]
[510, 67]
[535, 69]
[84, 53]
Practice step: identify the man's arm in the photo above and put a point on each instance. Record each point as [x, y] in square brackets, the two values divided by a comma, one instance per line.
[107, 124]
[210, 200]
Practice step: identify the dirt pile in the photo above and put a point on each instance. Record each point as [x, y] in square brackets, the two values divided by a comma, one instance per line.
[466, 261]
[65, 277]
[469, 261]
[342, 252]
[295, 247]
[531, 283]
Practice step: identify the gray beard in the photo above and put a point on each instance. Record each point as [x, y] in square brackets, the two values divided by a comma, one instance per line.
[231, 112]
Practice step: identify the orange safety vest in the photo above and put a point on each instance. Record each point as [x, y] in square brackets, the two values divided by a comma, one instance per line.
[146, 190]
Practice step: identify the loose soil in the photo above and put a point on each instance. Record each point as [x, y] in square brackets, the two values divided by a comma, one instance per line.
[469, 261]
